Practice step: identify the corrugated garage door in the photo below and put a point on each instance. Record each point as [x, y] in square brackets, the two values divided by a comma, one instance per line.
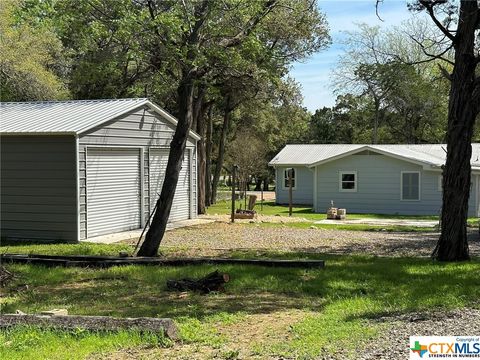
[113, 190]
[181, 201]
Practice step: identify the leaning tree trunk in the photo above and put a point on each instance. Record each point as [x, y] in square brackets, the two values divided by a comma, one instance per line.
[208, 159]
[177, 147]
[221, 152]
[462, 111]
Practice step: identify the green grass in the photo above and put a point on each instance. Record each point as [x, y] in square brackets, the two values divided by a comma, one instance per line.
[336, 301]
[83, 248]
[34, 343]
[270, 208]
[306, 212]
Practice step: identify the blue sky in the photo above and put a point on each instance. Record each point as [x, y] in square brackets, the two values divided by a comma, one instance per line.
[314, 73]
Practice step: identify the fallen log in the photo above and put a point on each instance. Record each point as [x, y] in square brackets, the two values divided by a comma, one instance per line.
[214, 281]
[92, 323]
[107, 261]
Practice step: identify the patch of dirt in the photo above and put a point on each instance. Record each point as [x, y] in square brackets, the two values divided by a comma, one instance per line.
[220, 237]
[263, 330]
[248, 338]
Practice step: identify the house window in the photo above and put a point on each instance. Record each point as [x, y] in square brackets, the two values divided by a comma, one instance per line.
[348, 181]
[285, 178]
[410, 185]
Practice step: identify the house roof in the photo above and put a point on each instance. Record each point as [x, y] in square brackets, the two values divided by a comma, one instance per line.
[315, 154]
[69, 117]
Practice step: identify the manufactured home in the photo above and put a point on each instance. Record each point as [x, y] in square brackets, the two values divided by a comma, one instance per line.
[72, 170]
[380, 179]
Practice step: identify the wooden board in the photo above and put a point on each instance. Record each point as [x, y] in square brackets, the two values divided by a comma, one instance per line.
[107, 261]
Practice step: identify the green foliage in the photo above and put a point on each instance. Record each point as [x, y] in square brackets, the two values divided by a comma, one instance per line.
[388, 92]
[30, 53]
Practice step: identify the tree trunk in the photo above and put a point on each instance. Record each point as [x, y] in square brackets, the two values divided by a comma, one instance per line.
[177, 147]
[265, 184]
[376, 120]
[221, 150]
[201, 163]
[258, 184]
[462, 111]
[208, 159]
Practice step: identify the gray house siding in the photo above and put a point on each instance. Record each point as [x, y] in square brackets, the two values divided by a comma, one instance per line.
[38, 197]
[142, 129]
[378, 187]
[303, 192]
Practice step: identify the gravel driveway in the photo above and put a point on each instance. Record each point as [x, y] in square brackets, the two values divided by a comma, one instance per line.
[219, 237]
[393, 343]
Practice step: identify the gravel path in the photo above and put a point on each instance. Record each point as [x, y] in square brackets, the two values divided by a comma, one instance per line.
[219, 237]
[393, 343]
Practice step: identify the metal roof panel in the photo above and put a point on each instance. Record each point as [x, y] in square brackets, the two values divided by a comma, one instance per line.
[310, 154]
[68, 117]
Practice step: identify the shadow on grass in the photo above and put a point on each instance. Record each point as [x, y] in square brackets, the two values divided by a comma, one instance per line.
[386, 284]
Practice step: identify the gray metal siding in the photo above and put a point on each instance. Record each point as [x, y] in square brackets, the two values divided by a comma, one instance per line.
[378, 187]
[303, 192]
[181, 207]
[38, 188]
[141, 128]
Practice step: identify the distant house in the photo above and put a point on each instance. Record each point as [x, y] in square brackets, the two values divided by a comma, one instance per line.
[72, 170]
[382, 179]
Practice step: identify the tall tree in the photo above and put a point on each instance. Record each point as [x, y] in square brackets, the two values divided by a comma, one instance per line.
[398, 85]
[208, 34]
[30, 54]
[193, 41]
[461, 29]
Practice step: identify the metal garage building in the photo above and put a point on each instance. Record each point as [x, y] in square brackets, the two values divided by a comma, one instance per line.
[72, 170]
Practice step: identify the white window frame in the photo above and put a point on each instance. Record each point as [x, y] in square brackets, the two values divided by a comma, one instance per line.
[340, 174]
[285, 177]
[419, 185]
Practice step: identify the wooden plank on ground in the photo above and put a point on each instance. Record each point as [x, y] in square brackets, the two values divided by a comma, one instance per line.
[107, 261]
[92, 323]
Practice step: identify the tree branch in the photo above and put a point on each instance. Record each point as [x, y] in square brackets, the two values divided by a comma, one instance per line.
[433, 56]
[251, 24]
[378, 2]
[429, 6]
